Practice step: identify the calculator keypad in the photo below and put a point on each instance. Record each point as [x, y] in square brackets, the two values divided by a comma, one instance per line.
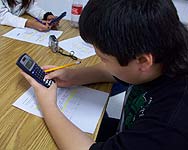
[40, 74]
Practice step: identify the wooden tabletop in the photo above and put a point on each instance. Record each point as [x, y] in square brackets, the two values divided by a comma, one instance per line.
[20, 130]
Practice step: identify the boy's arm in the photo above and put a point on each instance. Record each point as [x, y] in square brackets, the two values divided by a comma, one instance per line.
[94, 74]
[66, 135]
[86, 75]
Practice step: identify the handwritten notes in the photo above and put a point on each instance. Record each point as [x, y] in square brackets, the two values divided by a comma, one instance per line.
[32, 36]
[81, 49]
[81, 105]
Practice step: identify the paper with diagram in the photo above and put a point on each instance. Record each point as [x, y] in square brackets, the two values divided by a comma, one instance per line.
[81, 49]
[32, 35]
[81, 105]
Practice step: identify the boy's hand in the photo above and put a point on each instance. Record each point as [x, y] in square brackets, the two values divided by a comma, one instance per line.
[32, 23]
[63, 77]
[45, 96]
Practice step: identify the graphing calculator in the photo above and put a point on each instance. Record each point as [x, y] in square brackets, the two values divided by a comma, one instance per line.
[28, 65]
[58, 18]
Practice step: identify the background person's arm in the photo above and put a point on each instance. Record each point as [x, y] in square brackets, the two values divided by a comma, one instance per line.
[35, 11]
[32, 23]
[7, 18]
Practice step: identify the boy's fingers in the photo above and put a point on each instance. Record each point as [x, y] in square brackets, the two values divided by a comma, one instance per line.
[54, 74]
[51, 75]
[28, 78]
[48, 67]
[32, 81]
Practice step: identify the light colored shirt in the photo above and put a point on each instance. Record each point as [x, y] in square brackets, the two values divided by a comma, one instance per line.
[10, 16]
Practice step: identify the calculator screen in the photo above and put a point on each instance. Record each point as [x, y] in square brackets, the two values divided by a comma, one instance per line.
[29, 64]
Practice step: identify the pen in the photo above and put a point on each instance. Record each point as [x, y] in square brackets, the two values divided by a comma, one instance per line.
[40, 21]
[64, 66]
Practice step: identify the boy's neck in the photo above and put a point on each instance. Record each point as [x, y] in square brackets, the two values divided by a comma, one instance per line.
[154, 72]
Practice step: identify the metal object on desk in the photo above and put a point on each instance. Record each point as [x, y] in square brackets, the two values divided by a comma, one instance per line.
[71, 54]
[53, 44]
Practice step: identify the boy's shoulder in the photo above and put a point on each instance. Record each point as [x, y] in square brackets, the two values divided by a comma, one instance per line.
[170, 101]
[164, 87]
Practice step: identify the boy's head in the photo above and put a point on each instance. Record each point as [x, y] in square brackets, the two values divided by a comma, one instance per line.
[129, 29]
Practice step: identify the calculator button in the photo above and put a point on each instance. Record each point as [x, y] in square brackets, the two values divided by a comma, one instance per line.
[50, 83]
[46, 82]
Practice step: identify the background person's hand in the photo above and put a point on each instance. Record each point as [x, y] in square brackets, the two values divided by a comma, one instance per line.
[50, 18]
[32, 23]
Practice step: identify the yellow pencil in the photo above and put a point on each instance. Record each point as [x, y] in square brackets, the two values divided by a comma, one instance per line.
[64, 66]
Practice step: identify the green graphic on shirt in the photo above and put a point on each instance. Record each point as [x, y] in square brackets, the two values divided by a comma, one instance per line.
[135, 102]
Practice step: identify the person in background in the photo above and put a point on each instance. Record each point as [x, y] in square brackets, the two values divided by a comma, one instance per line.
[143, 43]
[11, 10]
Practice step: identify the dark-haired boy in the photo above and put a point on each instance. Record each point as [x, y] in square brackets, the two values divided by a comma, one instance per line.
[141, 42]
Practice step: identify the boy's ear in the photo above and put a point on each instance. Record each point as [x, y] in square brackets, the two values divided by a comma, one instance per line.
[144, 61]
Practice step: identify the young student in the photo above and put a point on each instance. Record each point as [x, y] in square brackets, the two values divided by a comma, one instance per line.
[10, 10]
[141, 42]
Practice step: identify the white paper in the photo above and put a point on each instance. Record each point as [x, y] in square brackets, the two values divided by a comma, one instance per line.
[81, 105]
[81, 49]
[32, 36]
[115, 105]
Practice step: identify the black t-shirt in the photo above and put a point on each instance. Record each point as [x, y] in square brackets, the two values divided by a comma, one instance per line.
[156, 117]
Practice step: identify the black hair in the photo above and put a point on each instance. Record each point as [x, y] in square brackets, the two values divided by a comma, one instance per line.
[126, 29]
[25, 3]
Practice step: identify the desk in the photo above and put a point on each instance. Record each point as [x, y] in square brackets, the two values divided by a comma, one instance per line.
[20, 130]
